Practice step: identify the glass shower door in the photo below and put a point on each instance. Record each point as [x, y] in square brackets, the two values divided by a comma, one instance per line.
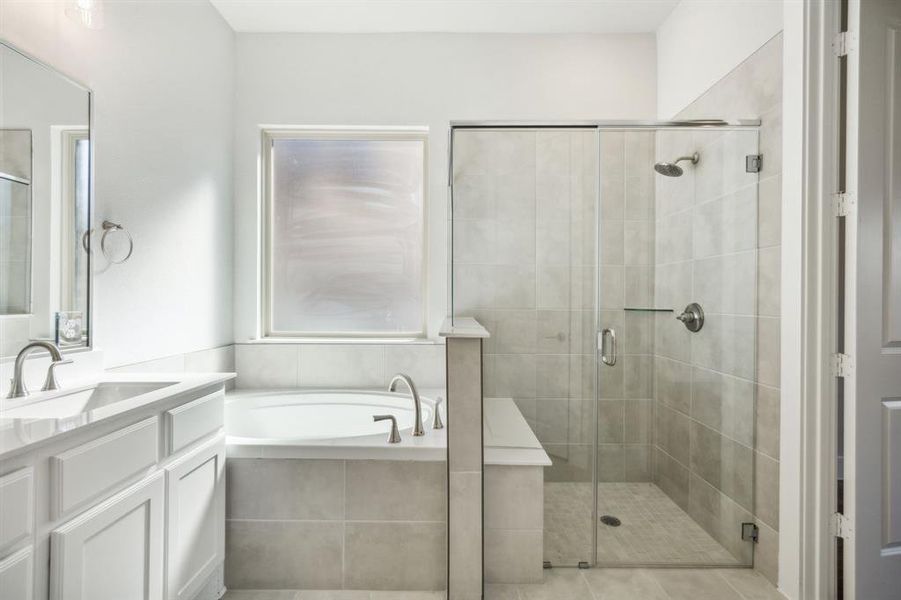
[676, 413]
[523, 264]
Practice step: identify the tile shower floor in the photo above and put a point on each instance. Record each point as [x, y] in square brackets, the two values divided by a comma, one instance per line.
[653, 530]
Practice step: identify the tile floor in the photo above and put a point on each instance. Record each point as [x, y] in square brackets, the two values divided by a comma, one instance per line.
[654, 529]
[329, 595]
[641, 584]
[576, 584]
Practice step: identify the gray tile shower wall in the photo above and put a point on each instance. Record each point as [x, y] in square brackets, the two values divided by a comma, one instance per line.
[716, 443]
[524, 267]
[625, 405]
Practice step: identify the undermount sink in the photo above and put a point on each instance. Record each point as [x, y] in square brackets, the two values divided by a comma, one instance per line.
[84, 400]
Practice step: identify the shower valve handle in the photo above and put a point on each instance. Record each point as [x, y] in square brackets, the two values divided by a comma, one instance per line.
[692, 317]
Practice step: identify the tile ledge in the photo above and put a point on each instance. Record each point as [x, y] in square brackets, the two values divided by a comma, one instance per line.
[462, 327]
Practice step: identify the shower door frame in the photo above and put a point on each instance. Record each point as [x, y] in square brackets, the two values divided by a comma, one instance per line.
[599, 126]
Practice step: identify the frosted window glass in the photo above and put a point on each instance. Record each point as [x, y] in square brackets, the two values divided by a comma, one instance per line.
[347, 236]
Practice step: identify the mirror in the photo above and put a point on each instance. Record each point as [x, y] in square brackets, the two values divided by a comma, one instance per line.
[45, 205]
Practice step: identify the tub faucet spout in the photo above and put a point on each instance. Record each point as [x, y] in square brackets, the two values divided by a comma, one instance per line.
[417, 403]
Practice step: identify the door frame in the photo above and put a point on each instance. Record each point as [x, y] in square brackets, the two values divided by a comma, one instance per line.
[812, 279]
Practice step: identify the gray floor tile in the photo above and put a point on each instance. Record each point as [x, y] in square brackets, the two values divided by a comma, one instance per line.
[695, 584]
[624, 584]
[559, 584]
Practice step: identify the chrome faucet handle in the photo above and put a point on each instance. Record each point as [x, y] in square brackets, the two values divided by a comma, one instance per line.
[50, 383]
[394, 436]
[436, 422]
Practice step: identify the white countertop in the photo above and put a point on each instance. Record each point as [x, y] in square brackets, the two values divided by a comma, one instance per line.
[57, 418]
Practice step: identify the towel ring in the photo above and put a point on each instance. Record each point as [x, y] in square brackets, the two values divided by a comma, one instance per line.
[108, 228]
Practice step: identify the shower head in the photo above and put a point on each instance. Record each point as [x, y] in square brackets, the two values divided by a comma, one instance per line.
[673, 169]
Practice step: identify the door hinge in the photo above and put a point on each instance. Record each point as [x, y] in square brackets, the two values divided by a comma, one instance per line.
[753, 163]
[842, 365]
[841, 526]
[749, 532]
[843, 204]
[844, 43]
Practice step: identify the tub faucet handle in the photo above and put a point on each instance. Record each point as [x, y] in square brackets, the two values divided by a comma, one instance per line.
[394, 436]
[436, 422]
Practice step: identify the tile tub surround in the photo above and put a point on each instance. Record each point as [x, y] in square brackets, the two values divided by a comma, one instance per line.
[335, 524]
[337, 365]
[715, 455]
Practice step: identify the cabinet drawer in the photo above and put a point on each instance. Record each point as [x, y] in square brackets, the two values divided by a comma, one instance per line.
[16, 508]
[92, 470]
[195, 420]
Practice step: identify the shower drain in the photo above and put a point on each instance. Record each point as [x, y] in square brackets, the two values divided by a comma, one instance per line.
[611, 521]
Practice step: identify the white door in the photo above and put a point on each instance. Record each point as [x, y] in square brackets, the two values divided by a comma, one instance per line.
[195, 518]
[113, 551]
[873, 334]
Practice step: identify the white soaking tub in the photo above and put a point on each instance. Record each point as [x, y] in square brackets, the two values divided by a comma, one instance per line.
[329, 424]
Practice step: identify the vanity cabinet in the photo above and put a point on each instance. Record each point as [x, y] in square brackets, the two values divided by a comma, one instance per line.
[195, 537]
[113, 551]
[128, 508]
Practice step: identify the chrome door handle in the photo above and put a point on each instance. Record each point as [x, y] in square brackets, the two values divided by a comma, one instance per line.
[608, 359]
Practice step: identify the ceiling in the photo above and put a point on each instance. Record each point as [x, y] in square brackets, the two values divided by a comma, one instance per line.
[452, 16]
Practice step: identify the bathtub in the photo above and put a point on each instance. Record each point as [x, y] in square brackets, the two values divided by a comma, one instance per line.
[329, 424]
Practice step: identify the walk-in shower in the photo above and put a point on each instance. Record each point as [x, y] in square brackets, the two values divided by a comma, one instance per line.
[562, 232]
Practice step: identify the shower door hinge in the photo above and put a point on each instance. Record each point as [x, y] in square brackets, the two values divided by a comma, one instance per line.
[749, 532]
[753, 163]
[844, 43]
[841, 526]
[843, 204]
[842, 365]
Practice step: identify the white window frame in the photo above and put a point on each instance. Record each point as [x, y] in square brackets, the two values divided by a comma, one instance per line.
[271, 134]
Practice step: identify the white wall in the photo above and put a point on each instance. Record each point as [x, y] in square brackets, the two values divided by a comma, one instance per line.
[703, 40]
[426, 80]
[163, 82]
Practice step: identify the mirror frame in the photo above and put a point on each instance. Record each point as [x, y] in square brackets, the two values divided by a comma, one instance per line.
[89, 312]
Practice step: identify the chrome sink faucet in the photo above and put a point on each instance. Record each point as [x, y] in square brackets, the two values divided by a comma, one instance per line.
[17, 388]
[417, 403]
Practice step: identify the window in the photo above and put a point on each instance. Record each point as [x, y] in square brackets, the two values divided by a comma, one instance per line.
[343, 233]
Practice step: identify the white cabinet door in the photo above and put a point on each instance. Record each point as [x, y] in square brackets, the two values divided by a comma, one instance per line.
[113, 551]
[195, 518]
[16, 576]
